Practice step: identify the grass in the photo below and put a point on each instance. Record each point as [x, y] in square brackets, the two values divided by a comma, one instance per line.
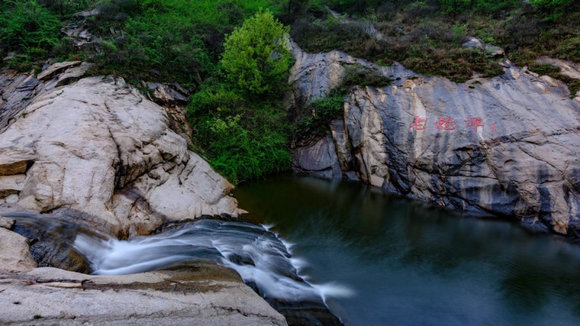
[427, 37]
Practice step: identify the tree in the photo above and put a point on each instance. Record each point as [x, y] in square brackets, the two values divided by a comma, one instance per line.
[256, 57]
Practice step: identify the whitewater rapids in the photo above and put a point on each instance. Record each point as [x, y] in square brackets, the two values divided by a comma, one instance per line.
[260, 257]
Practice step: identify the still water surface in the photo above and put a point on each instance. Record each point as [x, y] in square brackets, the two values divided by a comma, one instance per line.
[407, 264]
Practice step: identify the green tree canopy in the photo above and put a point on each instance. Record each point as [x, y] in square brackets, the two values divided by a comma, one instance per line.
[256, 57]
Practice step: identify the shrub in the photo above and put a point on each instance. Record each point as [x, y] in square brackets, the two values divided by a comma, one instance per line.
[27, 28]
[554, 72]
[256, 56]
[67, 7]
[358, 75]
[313, 121]
[237, 116]
[240, 153]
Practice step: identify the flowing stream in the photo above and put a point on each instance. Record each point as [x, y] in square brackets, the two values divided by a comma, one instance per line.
[259, 256]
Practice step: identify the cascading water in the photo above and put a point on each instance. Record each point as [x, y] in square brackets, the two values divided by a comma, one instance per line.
[258, 255]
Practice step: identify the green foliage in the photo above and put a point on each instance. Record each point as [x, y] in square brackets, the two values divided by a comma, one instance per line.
[358, 75]
[350, 6]
[314, 119]
[459, 32]
[161, 44]
[237, 115]
[545, 69]
[552, 9]
[256, 56]
[238, 118]
[28, 29]
[241, 153]
[67, 7]
[173, 40]
[427, 36]
[313, 122]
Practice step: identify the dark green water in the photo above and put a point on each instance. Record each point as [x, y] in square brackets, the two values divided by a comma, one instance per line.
[408, 264]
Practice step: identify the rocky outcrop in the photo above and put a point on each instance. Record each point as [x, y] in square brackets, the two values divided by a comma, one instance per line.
[507, 146]
[185, 294]
[96, 150]
[99, 147]
[489, 49]
[315, 75]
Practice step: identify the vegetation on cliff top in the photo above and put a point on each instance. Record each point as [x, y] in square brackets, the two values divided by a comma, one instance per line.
[427, 36]
[238, 114]
[231, 53]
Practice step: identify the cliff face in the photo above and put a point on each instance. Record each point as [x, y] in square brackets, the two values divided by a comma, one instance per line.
[506, 146]
[100, 150]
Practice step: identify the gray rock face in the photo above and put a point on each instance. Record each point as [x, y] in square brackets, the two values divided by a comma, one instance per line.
[99, 151]
[314, 75]
[183, 295]
[489, 49]
[506, 146]
[99, 147]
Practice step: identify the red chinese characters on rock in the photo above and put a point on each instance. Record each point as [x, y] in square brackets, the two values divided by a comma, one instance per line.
[446, 123]
[418, 123]
[449, 124]
[474, 122]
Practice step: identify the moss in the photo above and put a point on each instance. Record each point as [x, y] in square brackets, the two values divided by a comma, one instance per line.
[545, 69]
[359, 75]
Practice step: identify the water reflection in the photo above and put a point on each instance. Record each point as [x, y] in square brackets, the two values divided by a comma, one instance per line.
[411, 264]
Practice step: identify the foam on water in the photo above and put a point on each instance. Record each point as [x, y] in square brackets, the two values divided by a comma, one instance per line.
[258, 255]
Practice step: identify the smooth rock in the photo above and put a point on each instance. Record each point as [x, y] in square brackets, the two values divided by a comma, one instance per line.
[100, 147]
[73, 74]
[314, 75]
[567, 68]
[505, 146]
[318, 159]
[10, 185]
[489, 49]
[6, 222]
[14, 254]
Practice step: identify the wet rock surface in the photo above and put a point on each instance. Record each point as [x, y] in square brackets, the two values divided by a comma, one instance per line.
[506, 146]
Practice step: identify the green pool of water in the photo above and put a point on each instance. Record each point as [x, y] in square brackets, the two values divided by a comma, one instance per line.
[408, 264]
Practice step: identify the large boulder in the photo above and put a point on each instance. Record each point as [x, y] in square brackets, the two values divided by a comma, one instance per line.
[100, 148]
[507, 146]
